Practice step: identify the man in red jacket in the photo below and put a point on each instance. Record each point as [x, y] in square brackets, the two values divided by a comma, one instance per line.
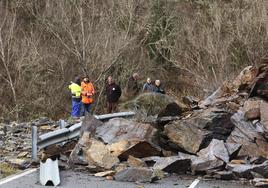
[113, 93]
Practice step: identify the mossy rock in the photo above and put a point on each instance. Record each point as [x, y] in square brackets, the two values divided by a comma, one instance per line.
[147, 104]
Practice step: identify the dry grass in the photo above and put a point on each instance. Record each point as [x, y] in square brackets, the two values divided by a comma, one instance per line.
[191, 45]
[7, 170]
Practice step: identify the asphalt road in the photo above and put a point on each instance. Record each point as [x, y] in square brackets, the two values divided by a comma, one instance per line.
[70, 179]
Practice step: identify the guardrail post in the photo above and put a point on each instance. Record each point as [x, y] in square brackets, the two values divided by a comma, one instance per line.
[62, 123]
[34, 143]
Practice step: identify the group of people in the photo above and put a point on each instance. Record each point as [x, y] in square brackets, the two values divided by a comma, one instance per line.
[83, 92]
[156, 87]
[82, 95]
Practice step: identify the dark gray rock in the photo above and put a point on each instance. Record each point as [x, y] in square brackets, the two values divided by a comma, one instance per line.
[119, 129]
[173, 164]
[172, 109]
[224, 175]
[90, 124]
[206, 162]
[140, 150]
[211, 158]
[196, 132]
[103, 144]
[261, 169]
[241, 170]
[191, 101]
[233, 149]
[257, 160]
[141, 175]
[246, 134]
[216, 149]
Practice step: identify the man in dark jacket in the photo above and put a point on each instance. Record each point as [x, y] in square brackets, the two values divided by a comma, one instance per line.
[113, 93]
[148, 86]
[132, 88]
[158, 88]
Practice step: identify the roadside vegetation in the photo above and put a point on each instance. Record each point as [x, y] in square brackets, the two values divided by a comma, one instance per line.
[191, 45]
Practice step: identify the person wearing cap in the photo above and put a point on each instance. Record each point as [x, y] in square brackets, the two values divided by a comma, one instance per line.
[76, 96]
[113, 93]
[87, 95]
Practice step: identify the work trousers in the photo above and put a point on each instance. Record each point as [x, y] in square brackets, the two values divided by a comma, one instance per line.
[86, 108]
[76, 105]
[112, 107]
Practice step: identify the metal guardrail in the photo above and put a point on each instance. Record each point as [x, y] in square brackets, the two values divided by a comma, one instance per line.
[64, 134]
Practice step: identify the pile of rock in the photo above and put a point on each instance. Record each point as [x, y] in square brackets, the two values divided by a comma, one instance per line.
[224, 136]
[16, 144]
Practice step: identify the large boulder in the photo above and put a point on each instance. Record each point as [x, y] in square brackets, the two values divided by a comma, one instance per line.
[246, 134]
[98, 154]
[119, 129]
[196, 132]
[216, 149]
[210, 158]
[126, 137]
[103, 144]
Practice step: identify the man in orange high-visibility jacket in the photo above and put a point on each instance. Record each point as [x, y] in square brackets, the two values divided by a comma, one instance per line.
[87, 94]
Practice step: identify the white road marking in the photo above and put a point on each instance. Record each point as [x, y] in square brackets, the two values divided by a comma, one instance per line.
[9, 179]
[195, 182]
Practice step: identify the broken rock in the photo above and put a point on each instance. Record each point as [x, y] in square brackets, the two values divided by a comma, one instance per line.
[264, 115]
[140, 150]
[102, 145]
[126, 137]
[251, 108]
[246, 134]
[196, 132]
[23, 154]
[260, 182]
[172, 109]
[104, 174]
[210, 158]
[261, 169]
[241, 170]
[19, 163]
[224, 175]
[233, 149]
[135, 162]
[141, 175]
[98, 154]
[174, 164]
[217, 149]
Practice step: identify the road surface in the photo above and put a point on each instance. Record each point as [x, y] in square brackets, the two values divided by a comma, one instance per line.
[71, 179]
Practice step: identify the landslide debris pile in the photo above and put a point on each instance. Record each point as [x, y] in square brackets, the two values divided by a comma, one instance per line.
[224, 137]
[16, 144]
